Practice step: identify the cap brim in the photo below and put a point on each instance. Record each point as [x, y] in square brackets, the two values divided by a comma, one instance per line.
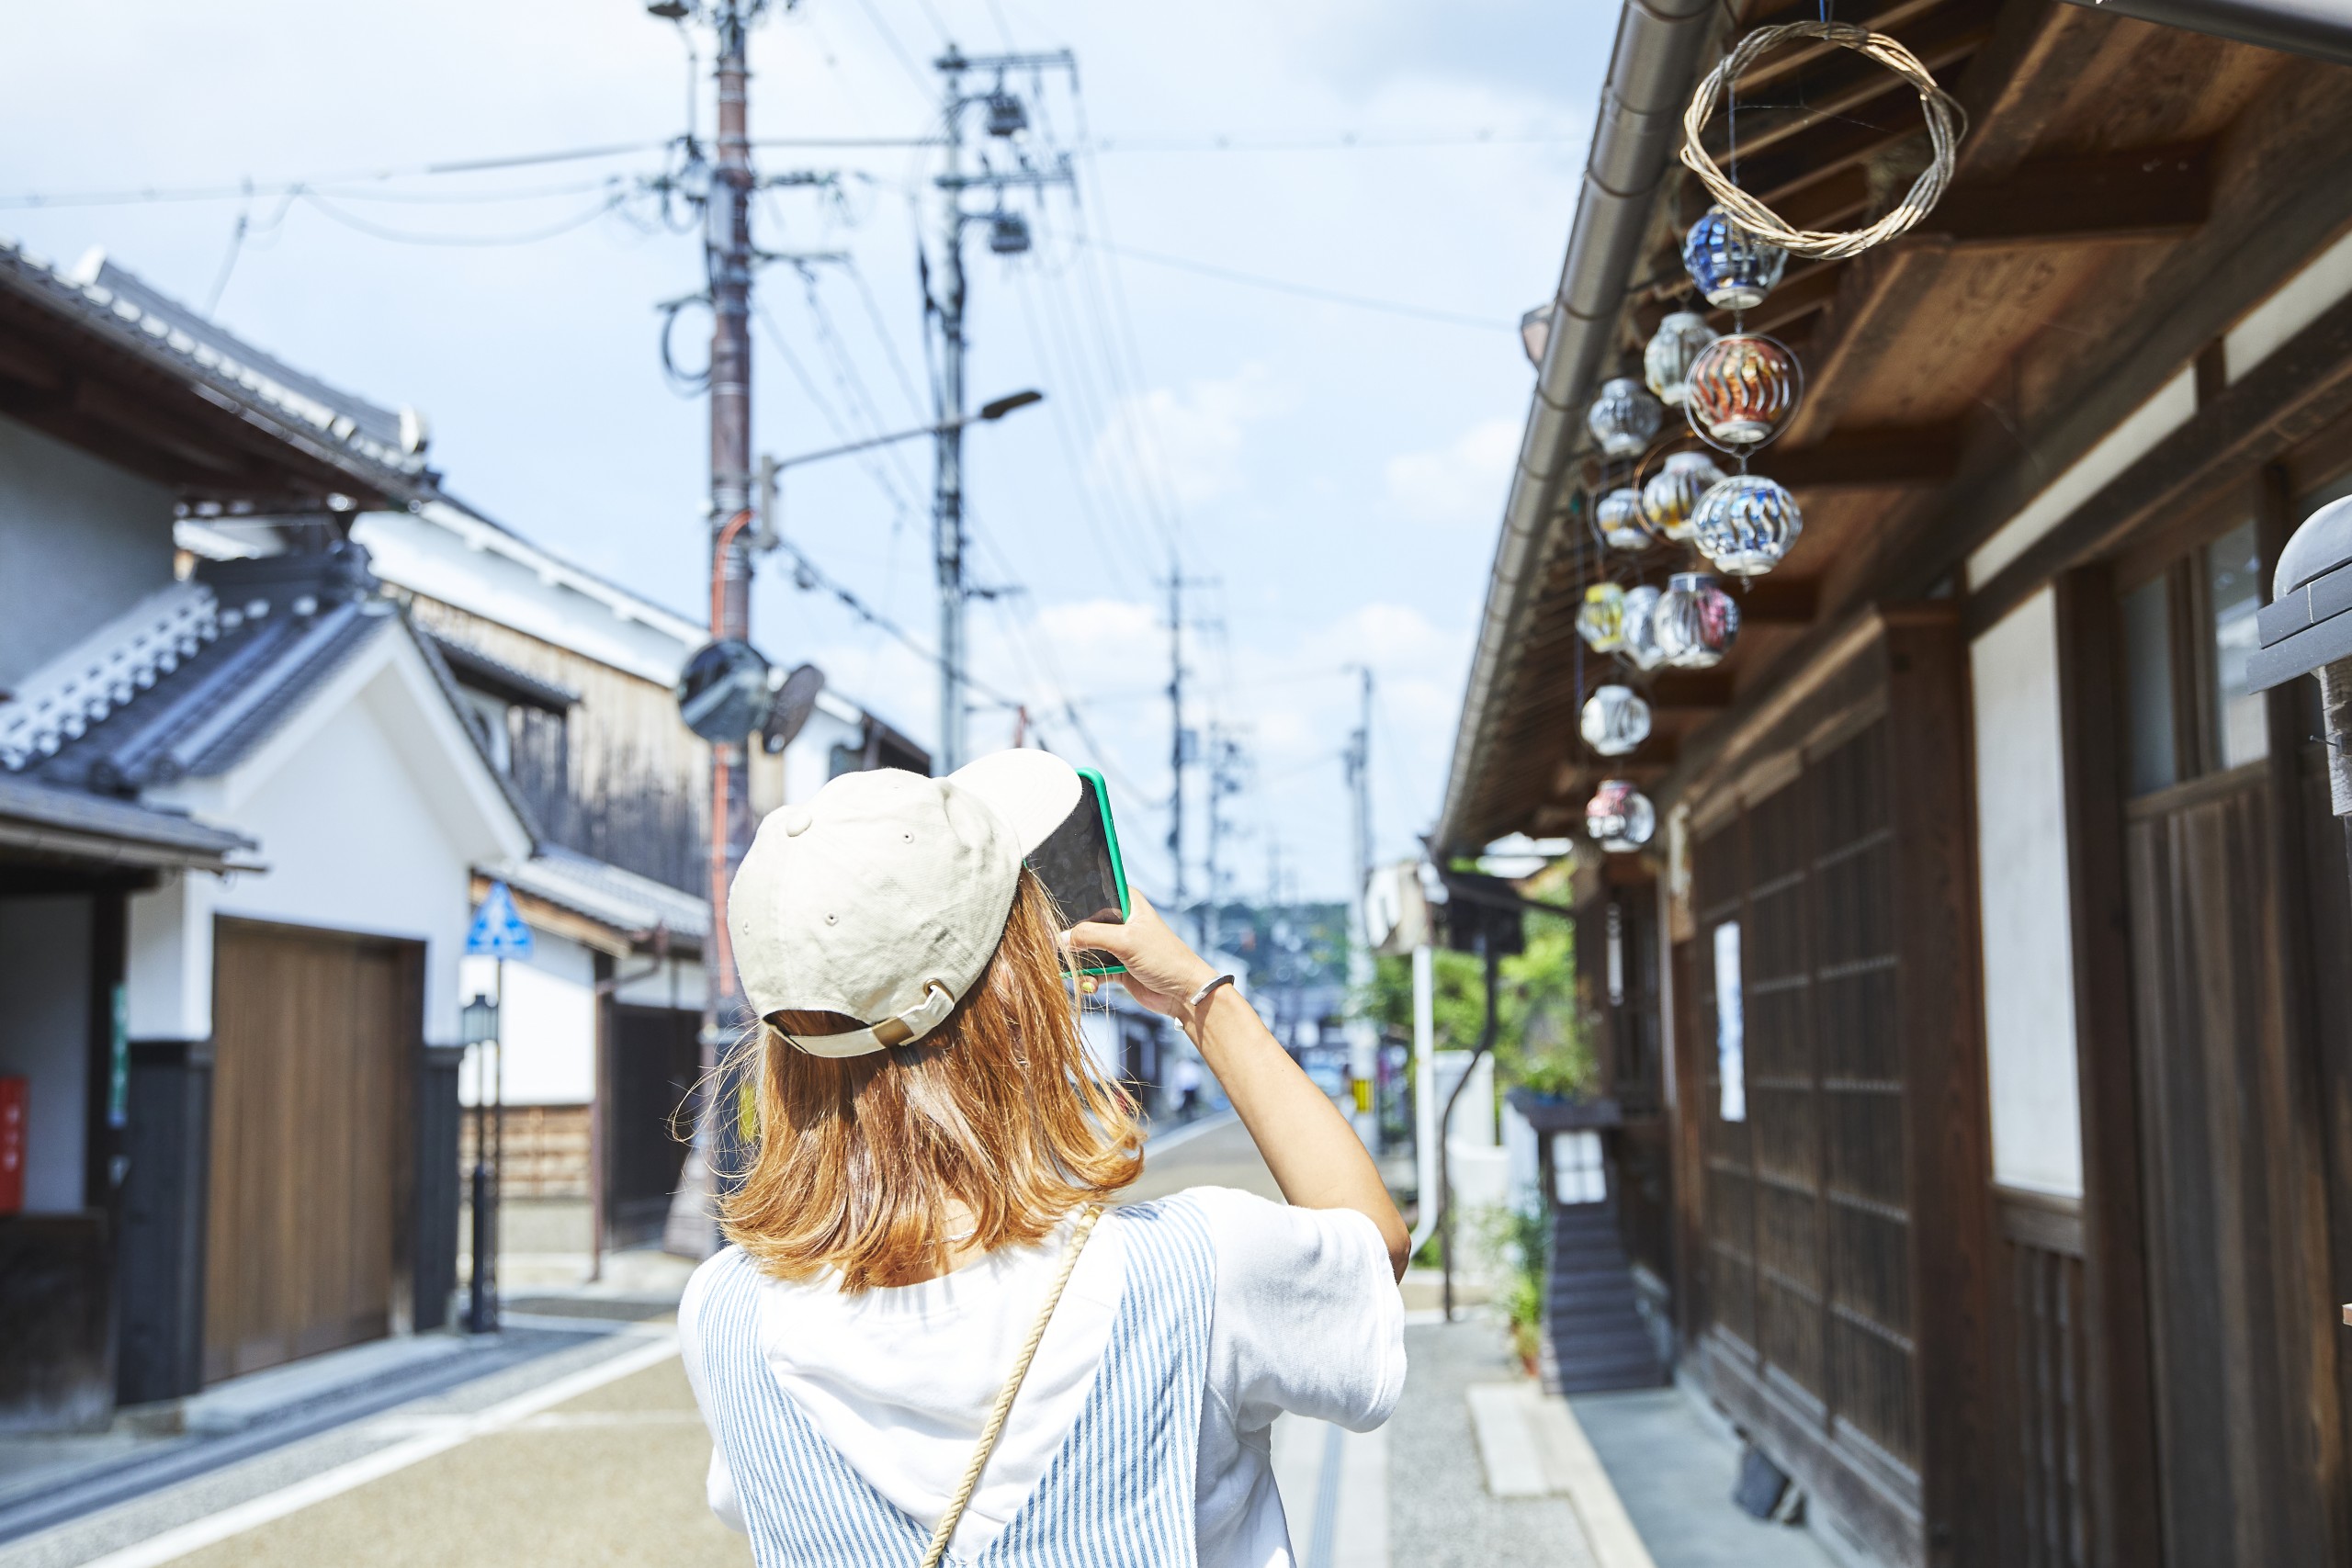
[1034, 792]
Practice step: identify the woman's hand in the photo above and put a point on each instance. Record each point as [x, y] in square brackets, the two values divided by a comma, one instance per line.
[1313, 1154]
[1162, 972]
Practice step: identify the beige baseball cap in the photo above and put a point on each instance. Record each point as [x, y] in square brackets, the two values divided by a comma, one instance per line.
[884, 895]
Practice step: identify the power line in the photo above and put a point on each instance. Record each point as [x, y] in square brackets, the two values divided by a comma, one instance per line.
[528, 237]
[1303, 290]
[1342, 141]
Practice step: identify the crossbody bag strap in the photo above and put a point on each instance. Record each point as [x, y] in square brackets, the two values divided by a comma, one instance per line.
[995, 1427]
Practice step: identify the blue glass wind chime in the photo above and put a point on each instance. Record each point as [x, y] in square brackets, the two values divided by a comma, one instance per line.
[1738, 391]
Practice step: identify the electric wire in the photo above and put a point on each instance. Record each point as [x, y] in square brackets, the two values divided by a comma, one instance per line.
[1303, 290]
[528, 237]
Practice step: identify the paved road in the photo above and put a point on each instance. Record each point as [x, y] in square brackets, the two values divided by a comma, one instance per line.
[1213, 1152]
[612, 1478]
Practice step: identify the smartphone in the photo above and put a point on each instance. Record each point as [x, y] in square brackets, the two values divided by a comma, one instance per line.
[1079, 862]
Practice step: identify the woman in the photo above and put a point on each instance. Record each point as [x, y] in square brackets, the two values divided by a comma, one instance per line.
[922, 1345]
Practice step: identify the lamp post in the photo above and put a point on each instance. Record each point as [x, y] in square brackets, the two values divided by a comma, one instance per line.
[477, 1030]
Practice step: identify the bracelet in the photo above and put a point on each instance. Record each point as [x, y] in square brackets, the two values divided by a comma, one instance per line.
[1197, 998]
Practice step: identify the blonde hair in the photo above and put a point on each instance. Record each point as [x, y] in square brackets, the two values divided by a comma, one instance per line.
[1001, 1108]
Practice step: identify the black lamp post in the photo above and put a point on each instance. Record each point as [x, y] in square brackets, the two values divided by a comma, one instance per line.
[478, 1029]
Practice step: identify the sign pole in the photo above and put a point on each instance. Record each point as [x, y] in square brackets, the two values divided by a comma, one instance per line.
[498, 933]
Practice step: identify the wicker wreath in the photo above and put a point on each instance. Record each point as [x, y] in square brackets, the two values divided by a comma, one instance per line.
[1947, 123]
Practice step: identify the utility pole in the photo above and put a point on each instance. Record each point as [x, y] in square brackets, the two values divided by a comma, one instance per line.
[1226, 759]
[1363, 1045]
[1007, 117]
[728, 253]
[728, 257]
[1176, 747]
[1182, 742]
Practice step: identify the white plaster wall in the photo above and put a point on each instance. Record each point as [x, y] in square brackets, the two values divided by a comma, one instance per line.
[2294, 306]
[1522, 1159]
[2174, 404]
[547, 1021]
[2024, 901]
[45, 1038]
[367, 820]
[81, 541]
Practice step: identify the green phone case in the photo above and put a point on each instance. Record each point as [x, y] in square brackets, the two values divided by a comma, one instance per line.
[1118, 866]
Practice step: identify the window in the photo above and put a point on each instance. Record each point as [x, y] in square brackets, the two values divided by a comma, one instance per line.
[2147, 675]
[2234, 590]
[2187, 634]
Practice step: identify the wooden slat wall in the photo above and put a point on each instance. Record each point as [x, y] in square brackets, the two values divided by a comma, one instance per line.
[1847, 1229]
[313, 1033]
[2229, 1286]
[2047, 1514]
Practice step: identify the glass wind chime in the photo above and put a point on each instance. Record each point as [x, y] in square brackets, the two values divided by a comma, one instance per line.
[1736, 393]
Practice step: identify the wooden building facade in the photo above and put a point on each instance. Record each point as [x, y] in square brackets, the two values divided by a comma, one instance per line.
[2002, 932]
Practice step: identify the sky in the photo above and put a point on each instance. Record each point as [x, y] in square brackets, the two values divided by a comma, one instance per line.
[1332, 475]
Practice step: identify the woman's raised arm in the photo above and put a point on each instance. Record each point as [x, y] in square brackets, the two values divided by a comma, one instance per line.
[1316, 1158]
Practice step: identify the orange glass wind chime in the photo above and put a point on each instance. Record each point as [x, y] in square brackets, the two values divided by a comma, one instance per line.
[1738, 391]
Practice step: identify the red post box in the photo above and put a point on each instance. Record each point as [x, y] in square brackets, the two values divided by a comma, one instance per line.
[15, 1110]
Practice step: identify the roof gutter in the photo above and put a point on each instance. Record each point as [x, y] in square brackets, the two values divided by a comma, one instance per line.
[1650, 73]
[2320, 29]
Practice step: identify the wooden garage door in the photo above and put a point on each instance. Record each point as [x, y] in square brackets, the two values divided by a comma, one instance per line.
[312, 1032]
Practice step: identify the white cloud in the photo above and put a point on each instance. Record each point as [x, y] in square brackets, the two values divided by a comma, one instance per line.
[1190, 442]
[1458, 485]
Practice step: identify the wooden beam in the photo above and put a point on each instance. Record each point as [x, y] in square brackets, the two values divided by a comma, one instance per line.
[1899, 457]
[2142, 194]
[1703, 690]
[2302, 386]
[1875, 301]
[1844, 82]
[1776, 600]
[2120, 1479]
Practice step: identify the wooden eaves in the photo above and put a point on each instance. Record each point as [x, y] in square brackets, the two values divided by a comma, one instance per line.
[2123, 191]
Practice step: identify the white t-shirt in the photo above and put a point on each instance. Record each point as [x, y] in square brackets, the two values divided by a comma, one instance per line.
[1307, 1319]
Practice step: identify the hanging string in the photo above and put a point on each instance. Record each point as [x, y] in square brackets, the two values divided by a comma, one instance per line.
[1947, 123]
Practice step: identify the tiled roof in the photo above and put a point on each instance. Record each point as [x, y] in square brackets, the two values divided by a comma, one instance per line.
[347, 431]
[606, 894]
[79, 826]
[192, 679]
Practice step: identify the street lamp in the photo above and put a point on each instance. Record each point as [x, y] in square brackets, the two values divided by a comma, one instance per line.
[988, 412]
[478, 1027]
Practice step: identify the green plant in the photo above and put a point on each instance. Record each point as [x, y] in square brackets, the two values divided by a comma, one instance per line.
[1521, 1239]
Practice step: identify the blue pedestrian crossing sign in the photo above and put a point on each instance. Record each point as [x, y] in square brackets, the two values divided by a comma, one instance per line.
[498, 931]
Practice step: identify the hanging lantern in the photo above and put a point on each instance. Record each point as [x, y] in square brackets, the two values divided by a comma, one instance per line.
[1697, 622]
[1745, 524]
[1641, 627]
[1601, 621]
[1742, 391]
[1620, 816]
[1731, 267]
[1615, 720]
[1665, 363]
[1673, 492]
[1623, 418]
[1621, 526]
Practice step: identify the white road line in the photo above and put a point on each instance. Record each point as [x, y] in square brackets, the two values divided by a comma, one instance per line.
[197, 1534]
